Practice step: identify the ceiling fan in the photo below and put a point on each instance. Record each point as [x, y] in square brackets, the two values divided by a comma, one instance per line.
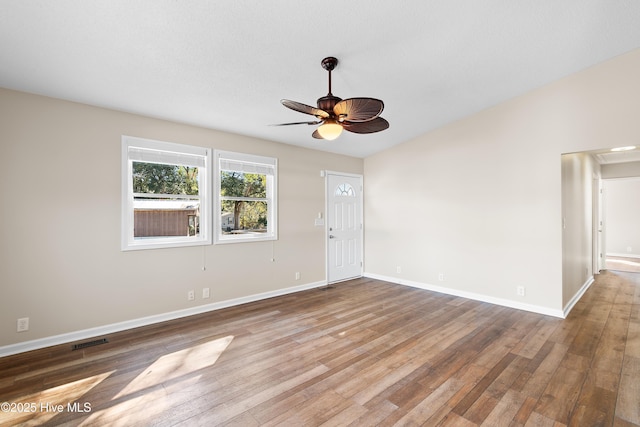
[357, 115]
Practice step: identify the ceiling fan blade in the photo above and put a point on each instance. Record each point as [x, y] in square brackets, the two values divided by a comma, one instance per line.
[298, 123]
[372, 126]
[316, 134]
[304, 108]
[358, 109]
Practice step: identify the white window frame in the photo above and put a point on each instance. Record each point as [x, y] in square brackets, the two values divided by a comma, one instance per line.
[250, 163]
[151, 151]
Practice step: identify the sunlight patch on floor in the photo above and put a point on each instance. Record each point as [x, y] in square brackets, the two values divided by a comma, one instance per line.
[51, 402]
[133, 410]
[178, 364]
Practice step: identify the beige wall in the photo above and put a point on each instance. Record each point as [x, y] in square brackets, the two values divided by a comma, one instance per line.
[480, 200]
[580, 176]
[60, 258]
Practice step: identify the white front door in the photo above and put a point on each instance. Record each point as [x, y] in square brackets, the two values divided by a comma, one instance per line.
[344, 227]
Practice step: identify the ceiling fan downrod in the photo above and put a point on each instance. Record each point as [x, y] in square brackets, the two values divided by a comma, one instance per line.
[329, 64]
[327, 103]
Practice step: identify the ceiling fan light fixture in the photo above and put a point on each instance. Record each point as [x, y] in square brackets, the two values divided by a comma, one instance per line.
[330, 130]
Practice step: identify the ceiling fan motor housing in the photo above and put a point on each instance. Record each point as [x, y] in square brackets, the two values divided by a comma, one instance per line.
[327, 103]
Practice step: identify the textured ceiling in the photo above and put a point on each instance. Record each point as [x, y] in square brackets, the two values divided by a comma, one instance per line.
[226, 65]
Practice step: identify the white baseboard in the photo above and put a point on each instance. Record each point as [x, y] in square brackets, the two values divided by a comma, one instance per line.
[577, 296]
[144, 321]
[624, 255]
[470, 295]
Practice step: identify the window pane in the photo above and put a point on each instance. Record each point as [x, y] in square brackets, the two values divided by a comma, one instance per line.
[345, 190]
[243, 217]
[157, 178]
[165, 217]
[240, 184]
[156, 213]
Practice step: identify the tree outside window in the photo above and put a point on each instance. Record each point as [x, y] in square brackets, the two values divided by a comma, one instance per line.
[244, 196]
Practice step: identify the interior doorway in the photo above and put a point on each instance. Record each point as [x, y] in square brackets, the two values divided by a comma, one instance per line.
[621, 206]
[584, 238]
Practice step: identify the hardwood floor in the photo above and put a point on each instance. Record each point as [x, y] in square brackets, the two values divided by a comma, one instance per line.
[364, 353]
[626, 264]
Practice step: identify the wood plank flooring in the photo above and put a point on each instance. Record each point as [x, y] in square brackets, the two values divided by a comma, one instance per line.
[626, 264]
[365, 353]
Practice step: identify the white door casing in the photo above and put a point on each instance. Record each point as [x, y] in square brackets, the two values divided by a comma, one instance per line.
[344, 226]
[598, 226]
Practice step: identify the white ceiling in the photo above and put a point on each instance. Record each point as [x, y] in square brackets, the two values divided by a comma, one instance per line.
[226, 64]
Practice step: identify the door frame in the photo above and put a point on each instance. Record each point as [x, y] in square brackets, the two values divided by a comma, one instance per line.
[598, 229]
[326, 174]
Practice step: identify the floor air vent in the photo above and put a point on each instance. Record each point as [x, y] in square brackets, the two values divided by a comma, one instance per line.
[89, 344]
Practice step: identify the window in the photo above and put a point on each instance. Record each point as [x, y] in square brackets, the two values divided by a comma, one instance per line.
[345, 190]
[166, 200]
[246, 207]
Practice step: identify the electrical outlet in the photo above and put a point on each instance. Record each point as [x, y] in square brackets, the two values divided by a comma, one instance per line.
[191, 295]
[297, 275]
[23, 324]
[441, 277]
[629, 249]
[521, 291]
[399, 270]
[205, 293]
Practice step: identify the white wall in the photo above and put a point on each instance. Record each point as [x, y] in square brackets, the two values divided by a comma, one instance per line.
[622, 215]
[480, 200]
[60, 257]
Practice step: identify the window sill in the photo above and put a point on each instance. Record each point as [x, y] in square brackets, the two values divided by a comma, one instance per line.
[146, 244]
[245, 238]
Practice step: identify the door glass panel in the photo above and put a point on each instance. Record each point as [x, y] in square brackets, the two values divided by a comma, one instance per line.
[345, 190]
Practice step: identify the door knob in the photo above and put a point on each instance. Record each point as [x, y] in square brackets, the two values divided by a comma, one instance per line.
[331, 236]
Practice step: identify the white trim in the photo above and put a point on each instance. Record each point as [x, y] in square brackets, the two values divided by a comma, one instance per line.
[353, 175]
[470, 295]
[624, 255]
[577, 296]
[22, 347]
